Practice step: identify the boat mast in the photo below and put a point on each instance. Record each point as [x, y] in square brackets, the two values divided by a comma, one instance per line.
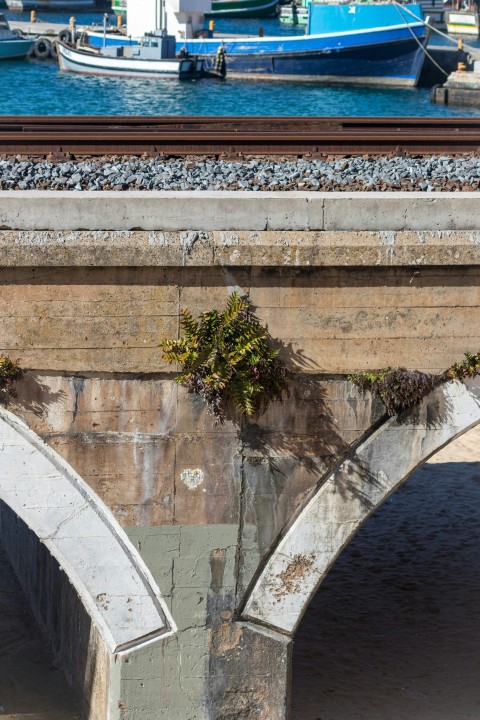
[163, 17]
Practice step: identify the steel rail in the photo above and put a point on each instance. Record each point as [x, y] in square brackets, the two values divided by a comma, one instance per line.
[62, 136]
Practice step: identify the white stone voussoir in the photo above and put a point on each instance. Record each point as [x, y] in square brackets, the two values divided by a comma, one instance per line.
[350, 494]
[111, 579]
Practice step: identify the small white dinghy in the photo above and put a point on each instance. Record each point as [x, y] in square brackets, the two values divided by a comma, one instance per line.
[154, 58]
[12, 45]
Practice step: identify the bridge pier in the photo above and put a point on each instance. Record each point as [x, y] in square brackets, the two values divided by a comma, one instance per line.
[231, 528]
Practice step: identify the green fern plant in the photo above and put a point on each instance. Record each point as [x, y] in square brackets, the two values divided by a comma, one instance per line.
[9, 372]
[226, 358]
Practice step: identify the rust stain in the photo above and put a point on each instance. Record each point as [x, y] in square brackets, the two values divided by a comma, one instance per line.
[291, 577]
[225, 637]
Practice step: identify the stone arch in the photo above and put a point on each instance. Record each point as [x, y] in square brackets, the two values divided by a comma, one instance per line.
[351, 493]
[111, 596]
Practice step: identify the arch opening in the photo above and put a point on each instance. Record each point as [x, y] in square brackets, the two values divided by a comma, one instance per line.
[87, 586]
[349, 495]
[394, 629]
[32, 683]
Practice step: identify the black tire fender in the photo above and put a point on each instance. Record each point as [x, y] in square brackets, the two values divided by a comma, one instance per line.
[42, 47]
[65, 35]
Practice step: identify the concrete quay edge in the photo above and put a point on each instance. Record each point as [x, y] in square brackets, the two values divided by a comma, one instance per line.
[236, 211]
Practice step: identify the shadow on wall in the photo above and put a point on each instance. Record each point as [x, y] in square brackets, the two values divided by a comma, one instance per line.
[35, 396]
[394, 630]
[43, 629]
[290, 450]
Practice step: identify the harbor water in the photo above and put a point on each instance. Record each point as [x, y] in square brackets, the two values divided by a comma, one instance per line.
[37, 87]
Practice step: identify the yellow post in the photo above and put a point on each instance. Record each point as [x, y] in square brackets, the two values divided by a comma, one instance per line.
[33, 16]
[211, 25]
[72, 24]
[119, 20]
[461, 66]
[260, 31]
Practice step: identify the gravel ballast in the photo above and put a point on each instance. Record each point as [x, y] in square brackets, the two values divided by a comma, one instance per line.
[429, 174]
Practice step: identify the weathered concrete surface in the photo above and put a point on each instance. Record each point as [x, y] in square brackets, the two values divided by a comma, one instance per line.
[115, 586]
[85, 582]
[233, 210]
[206, 506]
[63, 619]
[196, 569]
[329, 320]
[350, 495]
[255, 248]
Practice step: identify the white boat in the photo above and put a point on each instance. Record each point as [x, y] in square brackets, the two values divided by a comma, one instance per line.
[154, 58]
[12, 45]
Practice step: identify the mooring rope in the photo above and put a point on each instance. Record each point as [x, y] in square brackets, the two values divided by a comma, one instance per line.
[422, 47]
[474, 51]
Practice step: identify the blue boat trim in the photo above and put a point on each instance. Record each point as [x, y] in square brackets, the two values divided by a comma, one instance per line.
[300, 43]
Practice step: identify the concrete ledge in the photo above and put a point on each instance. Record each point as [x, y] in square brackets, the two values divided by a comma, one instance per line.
[300, 248]
[232, 210]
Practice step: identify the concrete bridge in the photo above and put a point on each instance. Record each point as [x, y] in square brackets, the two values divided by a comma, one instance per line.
[168, 560]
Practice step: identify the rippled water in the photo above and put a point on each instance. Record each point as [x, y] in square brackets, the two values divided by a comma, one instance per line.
[38, 88]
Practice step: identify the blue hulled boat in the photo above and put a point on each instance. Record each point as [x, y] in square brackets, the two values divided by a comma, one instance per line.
[12, 45]
[364, 44]
[360, 44]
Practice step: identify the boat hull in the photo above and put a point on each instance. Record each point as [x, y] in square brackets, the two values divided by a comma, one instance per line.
[376, 45]
[13, 49]
[73, 60]
[50, 5]
[119, 7]
[463, 23]
[396, 65]
[243, 8]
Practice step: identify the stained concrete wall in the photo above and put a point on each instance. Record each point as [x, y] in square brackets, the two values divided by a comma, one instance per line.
[78, 648]
[88, 288]
[88, 588]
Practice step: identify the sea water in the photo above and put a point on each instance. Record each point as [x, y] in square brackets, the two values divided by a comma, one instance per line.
[35, 87]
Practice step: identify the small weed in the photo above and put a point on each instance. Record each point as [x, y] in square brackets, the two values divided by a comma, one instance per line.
[9, 372]
[399, 388]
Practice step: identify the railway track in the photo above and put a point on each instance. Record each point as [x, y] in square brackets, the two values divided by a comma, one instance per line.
[232, 136]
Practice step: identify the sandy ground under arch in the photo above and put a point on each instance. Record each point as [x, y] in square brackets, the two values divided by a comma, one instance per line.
[394, 631]
[32, 687]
